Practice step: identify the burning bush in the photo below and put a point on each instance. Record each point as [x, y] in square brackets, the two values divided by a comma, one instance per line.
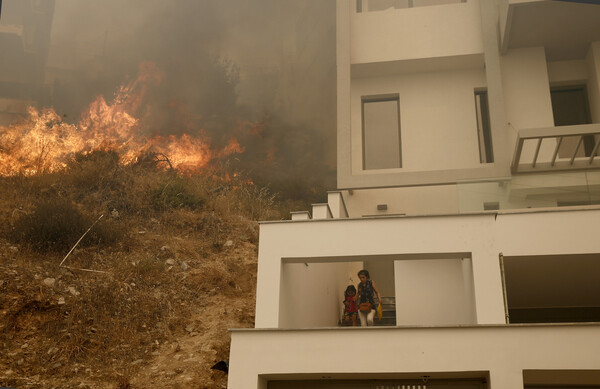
[55, 225]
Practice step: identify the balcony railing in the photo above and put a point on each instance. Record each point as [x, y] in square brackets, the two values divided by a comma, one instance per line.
[557, 149]
[382, 5]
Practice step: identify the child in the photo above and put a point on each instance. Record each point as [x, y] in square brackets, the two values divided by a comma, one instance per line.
[351, 310]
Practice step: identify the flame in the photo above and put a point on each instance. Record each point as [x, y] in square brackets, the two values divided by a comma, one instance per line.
[44, 143]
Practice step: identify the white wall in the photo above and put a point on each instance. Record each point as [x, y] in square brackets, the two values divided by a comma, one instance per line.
[437, 118]
[593, 86]
[503, 351]
[312, 293]
[423, 32]
[527, 97]
[410, 201]
[434, 292]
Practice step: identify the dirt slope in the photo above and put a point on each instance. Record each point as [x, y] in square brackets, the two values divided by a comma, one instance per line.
[158, 315]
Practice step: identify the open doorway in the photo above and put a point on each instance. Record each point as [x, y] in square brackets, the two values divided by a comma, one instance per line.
[553, 288]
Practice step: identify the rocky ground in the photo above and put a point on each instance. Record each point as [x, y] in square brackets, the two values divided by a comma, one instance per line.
[154, 313]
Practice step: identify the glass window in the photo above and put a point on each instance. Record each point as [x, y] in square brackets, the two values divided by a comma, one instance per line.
[381, 132]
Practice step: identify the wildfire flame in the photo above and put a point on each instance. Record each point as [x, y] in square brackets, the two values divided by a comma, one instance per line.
[44, 143]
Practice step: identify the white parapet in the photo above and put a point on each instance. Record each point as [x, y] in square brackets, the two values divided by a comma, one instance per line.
[337, 205]
[321, 211]
[301, 215]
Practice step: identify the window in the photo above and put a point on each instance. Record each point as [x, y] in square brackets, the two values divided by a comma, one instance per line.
[381, 5]
[381, 132]
[484, 130]
[570, 107]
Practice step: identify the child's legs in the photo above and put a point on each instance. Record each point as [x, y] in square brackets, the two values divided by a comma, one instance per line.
[354, 319]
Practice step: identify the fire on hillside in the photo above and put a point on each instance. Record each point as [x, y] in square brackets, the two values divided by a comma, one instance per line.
[44, 142]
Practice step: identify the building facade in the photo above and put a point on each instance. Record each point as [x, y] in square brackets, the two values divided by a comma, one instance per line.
[468, 186]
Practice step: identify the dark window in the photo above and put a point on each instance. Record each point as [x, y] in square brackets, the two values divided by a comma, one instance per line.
[484, 130]
[570, 107]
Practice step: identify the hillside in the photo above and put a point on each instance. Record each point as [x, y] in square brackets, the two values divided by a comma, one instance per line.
[147, 297]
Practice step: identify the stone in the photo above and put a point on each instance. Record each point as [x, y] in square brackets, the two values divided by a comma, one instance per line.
[165, 248]
[56, 365]
[184, 266]
[170, 262]
[189, 328]
[137, 361]
[49, 282]
[114, 213]
[229, 243]
[61, 301]
[73, 291]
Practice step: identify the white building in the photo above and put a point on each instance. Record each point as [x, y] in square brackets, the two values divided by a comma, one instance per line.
[468, 186]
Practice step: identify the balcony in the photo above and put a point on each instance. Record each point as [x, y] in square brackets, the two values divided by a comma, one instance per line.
[564, 28]
[554, 149]
[410, 30]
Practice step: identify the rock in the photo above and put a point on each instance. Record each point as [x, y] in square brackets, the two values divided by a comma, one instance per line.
[73, 291]
[137, 361]
[8, 372]
[155, 354]
[61, 301]
[49, 282]
[184, 266]
[170, 262]
[177, 357]
[52, 350]
[56, 365]
[13, 249]
[165, 248]
[229, 243]
[24, 346]
[189, 328]
[141, 232]
[114, 213]
[193, 333]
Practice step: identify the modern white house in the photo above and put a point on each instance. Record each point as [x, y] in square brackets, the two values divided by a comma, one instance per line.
[468, 186]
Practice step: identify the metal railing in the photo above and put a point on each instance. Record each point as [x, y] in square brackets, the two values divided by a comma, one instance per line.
[586, 135]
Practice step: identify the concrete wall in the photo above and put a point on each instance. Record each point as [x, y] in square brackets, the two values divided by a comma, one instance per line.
[593, 85]
[502, 352]
[527, 97]
[312, 293]
[434, 292]
[422, 32]
[481, 236]
[437, 118]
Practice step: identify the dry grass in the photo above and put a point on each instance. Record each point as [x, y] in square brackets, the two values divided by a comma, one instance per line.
[166, 264]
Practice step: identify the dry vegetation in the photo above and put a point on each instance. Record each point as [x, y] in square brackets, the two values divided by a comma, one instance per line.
[174, 266]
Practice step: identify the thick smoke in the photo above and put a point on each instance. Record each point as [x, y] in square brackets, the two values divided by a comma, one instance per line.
[262, 71]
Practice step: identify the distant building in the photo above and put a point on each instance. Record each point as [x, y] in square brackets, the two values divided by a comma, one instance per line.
[24, 42]
[468, 141]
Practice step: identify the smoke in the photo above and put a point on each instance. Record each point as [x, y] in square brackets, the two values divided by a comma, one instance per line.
[262, 71]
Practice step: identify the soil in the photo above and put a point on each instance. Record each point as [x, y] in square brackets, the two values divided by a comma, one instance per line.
[153, 314]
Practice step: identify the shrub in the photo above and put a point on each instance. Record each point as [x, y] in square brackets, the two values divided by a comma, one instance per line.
[176, 194]
[56, 224]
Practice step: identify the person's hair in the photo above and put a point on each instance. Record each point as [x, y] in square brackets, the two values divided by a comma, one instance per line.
[364, 273]
[349, 289]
